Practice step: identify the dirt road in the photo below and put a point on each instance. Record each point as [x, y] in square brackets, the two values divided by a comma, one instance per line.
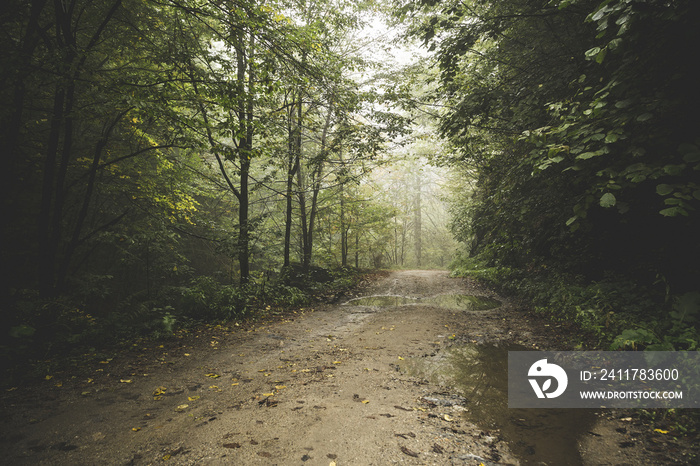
[364, 383]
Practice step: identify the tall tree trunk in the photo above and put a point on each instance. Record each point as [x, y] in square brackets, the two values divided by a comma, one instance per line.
[292, 167]
[417, 220]
[343, 231]
[245, 73]
[316, 187]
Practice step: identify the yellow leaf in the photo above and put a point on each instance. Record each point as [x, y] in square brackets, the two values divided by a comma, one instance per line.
[159, 391]
[400, 358]
[182, 407]
[213, 376]
[125, 380]
[48, 377]
[280, 387]
[365, 401]
[193, 398]
[166, 457]
[268, 394]
[661, 431]
[135, 429]
[235, 383]
[447, 418]
[187, 354]
[336, 362]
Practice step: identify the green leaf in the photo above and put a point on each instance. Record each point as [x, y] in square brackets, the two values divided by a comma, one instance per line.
[674, 212]
[591, 53]
[691, 152]
[611, 137]
[624, 103]
[607, 200]
[600, 56]
[645, 117]
[664, 189]
[674, 170]
[571, 220]
[589, 155]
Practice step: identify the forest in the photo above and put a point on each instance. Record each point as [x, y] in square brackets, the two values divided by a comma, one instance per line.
[168, 162]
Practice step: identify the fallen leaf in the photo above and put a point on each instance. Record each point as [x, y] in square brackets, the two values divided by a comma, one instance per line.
[135, 429]
[268, 394]
[193, 398]
[235, 383]
[159, 391]
[337, 362]
[280, 387]
[212, 375]
[166, 457]
[661, 431]
[409, 452]
[125, 380]
[400, 358]
[365, 401]
[48, 377]
[182, 407]
[447, 417]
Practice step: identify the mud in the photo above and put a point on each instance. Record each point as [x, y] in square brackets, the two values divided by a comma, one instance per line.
[334, 384]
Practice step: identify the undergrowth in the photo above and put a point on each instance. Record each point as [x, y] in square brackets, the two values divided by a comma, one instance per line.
[39, 331]
[615, 311]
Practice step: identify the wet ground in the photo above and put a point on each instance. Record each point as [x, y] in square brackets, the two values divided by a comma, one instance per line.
[413, 371]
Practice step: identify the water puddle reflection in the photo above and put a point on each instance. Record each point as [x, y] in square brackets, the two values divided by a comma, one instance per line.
[382, 301]
[479, 373]
[457, 302]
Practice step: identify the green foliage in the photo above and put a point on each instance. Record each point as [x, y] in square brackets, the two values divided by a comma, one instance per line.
[206, 299]
[677, 331]
[581, 151]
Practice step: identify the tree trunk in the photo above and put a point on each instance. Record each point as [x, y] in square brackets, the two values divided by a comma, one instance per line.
[245, 73]
[417, 220]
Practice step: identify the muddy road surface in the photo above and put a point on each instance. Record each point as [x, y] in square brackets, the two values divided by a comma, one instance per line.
[413, 372]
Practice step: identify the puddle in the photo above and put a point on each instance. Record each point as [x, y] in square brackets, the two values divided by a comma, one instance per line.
[382, 301]
[458, 302]
[479, 373]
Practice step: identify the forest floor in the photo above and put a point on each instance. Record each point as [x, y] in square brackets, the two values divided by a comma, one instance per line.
[336, 384]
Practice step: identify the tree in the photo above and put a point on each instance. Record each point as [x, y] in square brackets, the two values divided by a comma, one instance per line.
[576, 141]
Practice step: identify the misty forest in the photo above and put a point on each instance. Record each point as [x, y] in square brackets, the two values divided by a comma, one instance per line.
[174, 163]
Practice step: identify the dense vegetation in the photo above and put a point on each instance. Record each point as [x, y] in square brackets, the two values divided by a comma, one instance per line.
[168, 162]
[578, 121]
